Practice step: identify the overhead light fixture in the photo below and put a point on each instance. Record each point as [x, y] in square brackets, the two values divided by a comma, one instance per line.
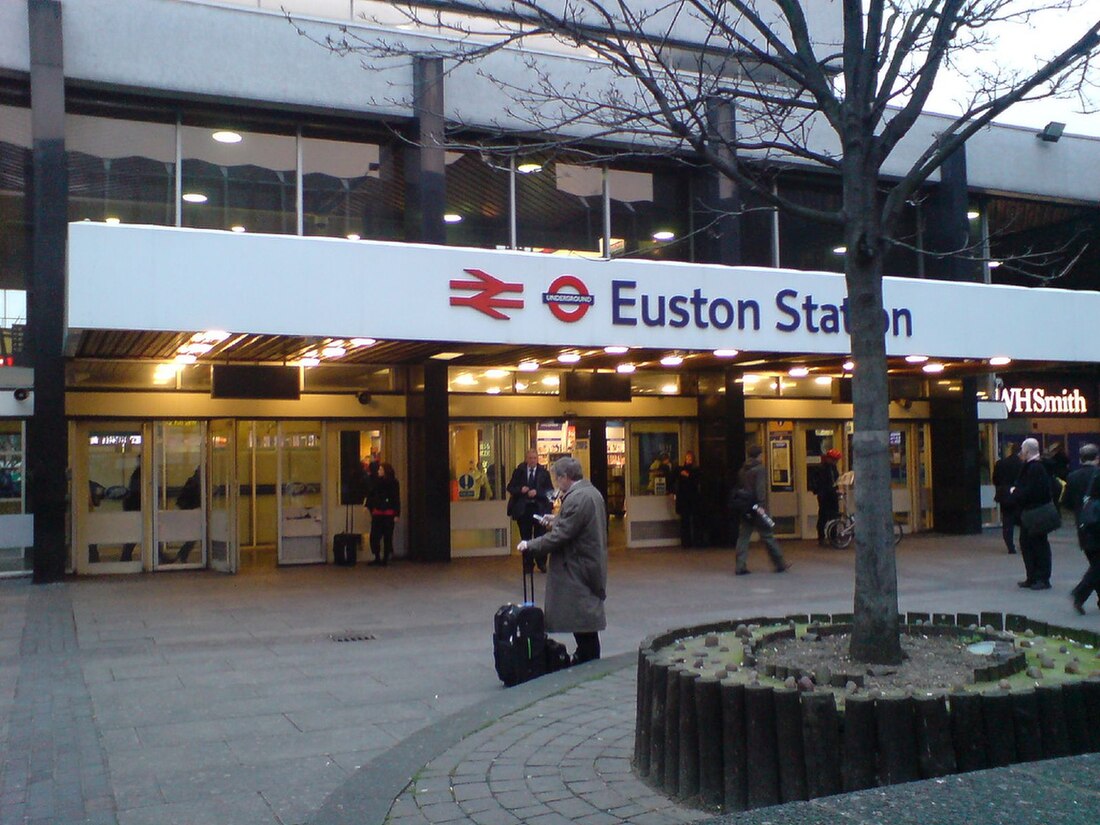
[670, 389]
[672, 360]
[726, 353]
[194, 197]
[185, 358]
[496, 373]
[112, 221]
[309, 361]
[452, 217]
[625, 368]
[527, 366]
[993, 264]
[664, 235]
[822, 380]
[933, 368]
[352, 236]
[615, 350]
[848, 366]
[210, 336]
[236, 228]
[333, 351]
[362, 342]
[569, 357]
[973, 215]
[445, 356]
[798, 372]
[916, 359]
[528, 168]
[226, 136]
[749, 378]
[1051, 132]
[195, 349]
[999, 360]
[840, 250]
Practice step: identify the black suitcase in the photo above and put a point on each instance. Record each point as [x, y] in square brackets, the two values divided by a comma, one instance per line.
[519, 638]
[557, 657]
[345, 546]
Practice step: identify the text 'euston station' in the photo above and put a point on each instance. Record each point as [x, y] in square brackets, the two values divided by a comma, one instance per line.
[795, 312]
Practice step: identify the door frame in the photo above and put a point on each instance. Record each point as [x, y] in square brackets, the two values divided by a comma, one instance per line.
[214, 531]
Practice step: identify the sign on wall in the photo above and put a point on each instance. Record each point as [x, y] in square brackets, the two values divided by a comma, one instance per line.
[1044, 396]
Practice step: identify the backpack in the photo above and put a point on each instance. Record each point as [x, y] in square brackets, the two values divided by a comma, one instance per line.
[1088, 518]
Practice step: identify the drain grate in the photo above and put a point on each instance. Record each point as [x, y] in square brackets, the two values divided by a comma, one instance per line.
[352, 637]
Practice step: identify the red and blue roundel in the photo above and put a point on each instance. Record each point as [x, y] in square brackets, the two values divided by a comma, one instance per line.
[571, 304]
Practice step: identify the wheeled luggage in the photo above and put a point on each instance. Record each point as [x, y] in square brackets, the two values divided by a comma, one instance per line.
[346, 545]
[519, 638]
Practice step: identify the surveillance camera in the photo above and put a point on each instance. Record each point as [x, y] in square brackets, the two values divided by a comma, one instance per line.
[363, 397]
[22, 394]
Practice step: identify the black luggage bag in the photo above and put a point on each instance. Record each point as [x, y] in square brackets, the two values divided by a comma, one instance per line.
[346, 545]
[519, 638]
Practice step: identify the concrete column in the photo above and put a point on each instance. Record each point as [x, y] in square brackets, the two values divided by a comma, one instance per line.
[721, 421]
[956, 479]
[718, 204]
[429, 487]
[47, 436]
[947, 229]
[425, 168]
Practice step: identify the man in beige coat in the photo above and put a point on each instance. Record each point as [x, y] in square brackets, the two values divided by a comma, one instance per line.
[577, 546]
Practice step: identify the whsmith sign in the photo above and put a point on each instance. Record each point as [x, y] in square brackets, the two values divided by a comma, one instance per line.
[168, 279]
[1046, 396]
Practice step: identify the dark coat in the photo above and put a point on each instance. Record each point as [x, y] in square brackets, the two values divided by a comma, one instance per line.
[384, 498]
[825, 486]
[1078, 485]
[577, 545]
[753, 476]
[1032, 486]
[686, 489]
[521, 505]
[1005, 472]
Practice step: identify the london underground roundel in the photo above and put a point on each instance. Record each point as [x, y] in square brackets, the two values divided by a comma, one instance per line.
[568, 298]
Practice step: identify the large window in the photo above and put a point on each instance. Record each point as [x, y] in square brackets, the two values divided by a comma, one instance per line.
[351, 190]
[648, 214]
[559, 207]
[15, 160]
[477, 201]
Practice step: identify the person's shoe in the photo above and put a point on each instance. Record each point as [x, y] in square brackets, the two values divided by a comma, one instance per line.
[1078, 604]
[783, 568]
[1041, 586]
[541, 568]
[1026, 583]
[744, 572]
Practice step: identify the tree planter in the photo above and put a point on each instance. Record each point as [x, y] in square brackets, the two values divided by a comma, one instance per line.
[736, 742]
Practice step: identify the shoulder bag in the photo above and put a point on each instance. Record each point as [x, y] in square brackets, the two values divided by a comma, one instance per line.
[1039, 521]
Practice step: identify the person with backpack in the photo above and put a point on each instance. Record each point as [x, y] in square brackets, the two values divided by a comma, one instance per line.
[751, 498]
[1081, 496]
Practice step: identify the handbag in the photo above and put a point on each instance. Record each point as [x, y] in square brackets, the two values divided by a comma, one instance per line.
[1042, 519]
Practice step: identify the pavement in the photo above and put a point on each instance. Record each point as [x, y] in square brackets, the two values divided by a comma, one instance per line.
[194, 697]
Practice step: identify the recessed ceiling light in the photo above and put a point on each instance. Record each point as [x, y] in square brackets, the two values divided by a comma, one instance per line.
[194, 197]
[999, 360]
[933, 368]
[916, 359]
[848, 366]
[352, 236]
[840, 250]
[529, 168]
[973, 214]
[726, 353]
[569, 357]
[308, 361]
[823, 380]
[527, 366]
[362, 342]
[195, 348]
[210, 336]
[185, 358]
[798, 372]
[625, 368]
[452, 217]
[227, 137]
[112, 221]
[672, 360]
[447, 356]
[496, 373]
[332, 351]
[664, 235]
[236, 228]
[669, 389]
[615, 350]
[954, 388]
[994, 264]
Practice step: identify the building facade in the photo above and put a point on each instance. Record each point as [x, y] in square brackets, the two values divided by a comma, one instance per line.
[231, 255]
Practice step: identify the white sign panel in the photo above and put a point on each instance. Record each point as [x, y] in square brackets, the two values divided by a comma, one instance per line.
[159, 278]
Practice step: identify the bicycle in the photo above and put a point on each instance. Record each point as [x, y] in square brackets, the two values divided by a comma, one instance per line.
[840, 531]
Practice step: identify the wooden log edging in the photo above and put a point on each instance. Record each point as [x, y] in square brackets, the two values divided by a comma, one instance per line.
[734, 746]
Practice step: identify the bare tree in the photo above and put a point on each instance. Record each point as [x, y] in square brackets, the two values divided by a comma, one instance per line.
[795, 93]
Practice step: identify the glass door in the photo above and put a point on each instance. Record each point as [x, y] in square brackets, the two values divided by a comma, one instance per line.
[109, 467]
[301, 475]
[178, 520]
[222, 495]
[16, 526]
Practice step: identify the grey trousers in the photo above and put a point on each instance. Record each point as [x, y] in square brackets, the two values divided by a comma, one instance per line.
[747, 529]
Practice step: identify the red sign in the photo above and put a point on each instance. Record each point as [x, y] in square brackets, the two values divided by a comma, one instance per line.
[568, 306]
[486, 299]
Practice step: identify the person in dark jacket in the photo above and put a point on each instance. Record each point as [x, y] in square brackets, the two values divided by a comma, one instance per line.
[824, 487]
[529, 492]
[1005, 473]
[1032, 489]
[384, 504]
[686, 492]
[753, 477]
[1082, 482]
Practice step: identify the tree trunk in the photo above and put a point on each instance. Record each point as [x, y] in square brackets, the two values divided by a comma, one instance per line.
[875, 631]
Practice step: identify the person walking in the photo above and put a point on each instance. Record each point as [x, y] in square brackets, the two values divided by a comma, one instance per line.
[824, 487]
[753, 479]
[384, 504]
[1084, 482]
[576, 545]
[1005, 472]
[686, 493]
[1031, 491]
[529, 492]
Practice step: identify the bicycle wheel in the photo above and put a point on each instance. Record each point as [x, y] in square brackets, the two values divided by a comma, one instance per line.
[843, 532]
[898, 533]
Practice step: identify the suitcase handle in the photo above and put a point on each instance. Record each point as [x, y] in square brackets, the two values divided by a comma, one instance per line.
[528, 566]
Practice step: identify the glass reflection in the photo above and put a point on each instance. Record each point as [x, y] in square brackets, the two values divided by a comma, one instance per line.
[352, 189]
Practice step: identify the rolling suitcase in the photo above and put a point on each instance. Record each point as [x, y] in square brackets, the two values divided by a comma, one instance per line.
[519, 638]
[345, 546]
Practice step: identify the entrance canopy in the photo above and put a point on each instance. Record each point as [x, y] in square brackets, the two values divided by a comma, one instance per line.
[161, 279]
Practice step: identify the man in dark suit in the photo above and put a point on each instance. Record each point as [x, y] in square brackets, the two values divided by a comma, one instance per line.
[529, 494]
[1005, 472]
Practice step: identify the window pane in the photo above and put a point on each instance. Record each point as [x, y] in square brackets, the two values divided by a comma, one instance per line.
[245, 185]
[121, 170]
[649, 213]
[15, 160]
[477, 202]
[351, 189]
[559, 207]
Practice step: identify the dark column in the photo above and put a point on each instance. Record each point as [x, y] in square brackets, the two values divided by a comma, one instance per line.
[956, 499]
[47, 436]
[721, 419]
[946, 227]
[425, 170]
[717, 205]
[597, 452]
[429, 488]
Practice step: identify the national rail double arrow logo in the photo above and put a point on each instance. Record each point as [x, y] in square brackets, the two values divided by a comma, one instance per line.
[486, 299]
[568, 306]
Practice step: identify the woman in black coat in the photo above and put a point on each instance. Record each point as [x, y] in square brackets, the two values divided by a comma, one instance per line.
[1032, 489]
[384, 504]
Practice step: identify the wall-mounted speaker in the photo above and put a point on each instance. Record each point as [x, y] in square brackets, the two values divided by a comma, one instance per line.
[22, 394]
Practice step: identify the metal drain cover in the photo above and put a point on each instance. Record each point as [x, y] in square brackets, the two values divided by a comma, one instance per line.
[352, 637]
